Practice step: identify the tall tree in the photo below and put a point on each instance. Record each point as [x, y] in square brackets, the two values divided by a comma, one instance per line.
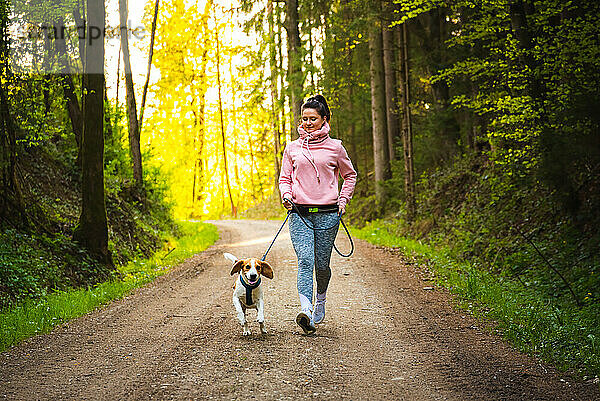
[66, 76]
[378, 106]
[295, 77]
[279, 12]
[80, 23]
[150, 53]
[198, 179]
[518, 10]
[222, 123]
[11, 197]
[92, 230]
[183, 52]
[199, 112]
[401, 34]
[273, 78]
[134, 130]
[391, 88]
[233, 85]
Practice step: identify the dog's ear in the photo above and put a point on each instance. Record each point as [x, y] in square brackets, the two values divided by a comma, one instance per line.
[266, 269]
[237, 266]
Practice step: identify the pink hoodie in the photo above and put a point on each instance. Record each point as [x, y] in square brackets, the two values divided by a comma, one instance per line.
[310, 168]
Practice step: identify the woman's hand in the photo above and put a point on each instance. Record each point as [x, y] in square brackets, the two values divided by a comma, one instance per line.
[341, 210]
[287, 204]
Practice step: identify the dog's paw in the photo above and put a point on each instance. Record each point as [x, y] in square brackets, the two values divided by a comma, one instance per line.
[263, 330]
[247, 332]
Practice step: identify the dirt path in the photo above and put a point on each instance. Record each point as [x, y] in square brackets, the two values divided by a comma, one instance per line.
[384, 337]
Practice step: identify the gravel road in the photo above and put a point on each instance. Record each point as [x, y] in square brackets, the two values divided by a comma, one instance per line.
[386, 336]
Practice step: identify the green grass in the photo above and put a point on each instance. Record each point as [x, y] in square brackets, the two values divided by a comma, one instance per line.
[559, 333]
[37, 316]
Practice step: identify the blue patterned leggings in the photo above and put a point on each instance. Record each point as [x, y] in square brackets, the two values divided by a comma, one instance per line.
[313, 249]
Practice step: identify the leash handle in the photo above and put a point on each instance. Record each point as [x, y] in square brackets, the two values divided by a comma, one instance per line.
[349, 237]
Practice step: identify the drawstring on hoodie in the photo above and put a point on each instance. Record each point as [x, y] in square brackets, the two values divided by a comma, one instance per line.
[311, 159]
[306, 138]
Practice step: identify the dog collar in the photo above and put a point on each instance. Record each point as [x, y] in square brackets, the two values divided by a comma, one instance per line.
[249, 287]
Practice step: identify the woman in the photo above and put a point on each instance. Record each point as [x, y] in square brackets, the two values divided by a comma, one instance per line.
[309, 178]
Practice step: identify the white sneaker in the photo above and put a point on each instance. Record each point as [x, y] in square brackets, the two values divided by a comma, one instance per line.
[319, 312]
[304, 320]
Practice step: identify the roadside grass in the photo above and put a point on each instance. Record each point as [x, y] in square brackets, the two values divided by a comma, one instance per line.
[39, 316]
[558, 332]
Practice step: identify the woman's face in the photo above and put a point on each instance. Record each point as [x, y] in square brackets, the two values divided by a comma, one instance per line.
[311, 120]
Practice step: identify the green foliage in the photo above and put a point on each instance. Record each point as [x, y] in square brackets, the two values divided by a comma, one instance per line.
[501, 225]
[506, 127]
[536, 99]
[344, 80]
[34, 265]
[532, 319]
[143, 224]
[34, 316]
[38, 260]
[363, 210]
[506, 142]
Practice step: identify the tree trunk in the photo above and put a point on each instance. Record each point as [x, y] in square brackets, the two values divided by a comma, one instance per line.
[520, 27]
[66, 78]
[391, 92]
[108, 128]
[274, 100]
[350, 106]
[311, 50]
[81, 24]
[281, 77]
[252, 184]
[234, 132]
[198, 172]
[134, 132]
[46, 82]
[193, 203]
[198, 184]
[436, 45]
[118, 83]
[92, 231]
[366, 142]
[295, 76]
[378, 107]
[73, 108]
[223, 138]
[199, 114]
[151, 51]
[409, 180]
[12, 205]
[252, 161]
[432, 33]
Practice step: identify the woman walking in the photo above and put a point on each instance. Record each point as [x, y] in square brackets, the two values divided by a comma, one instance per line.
[309, 178]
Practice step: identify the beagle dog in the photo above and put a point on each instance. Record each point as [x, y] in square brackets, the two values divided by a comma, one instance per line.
[247, 291]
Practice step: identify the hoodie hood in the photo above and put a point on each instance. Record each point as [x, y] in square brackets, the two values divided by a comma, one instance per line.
[307, 137]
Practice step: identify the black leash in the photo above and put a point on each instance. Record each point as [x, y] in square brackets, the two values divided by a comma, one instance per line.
[314, 229]
[272, 242]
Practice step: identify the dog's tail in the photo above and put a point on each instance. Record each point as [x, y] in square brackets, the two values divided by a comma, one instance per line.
[230, 257]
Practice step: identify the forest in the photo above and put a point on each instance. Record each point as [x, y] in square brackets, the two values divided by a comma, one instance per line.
[473, 125]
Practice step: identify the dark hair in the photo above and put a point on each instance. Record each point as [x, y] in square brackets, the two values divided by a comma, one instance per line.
[318, 103]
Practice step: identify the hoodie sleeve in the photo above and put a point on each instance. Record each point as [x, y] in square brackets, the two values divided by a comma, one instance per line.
[348, 174]
[285, 175]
